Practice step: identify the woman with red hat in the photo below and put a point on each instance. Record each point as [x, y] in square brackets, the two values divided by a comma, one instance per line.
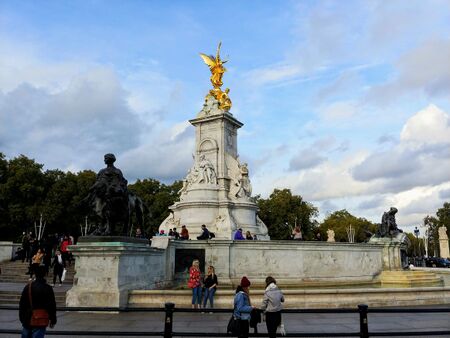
[242, 307]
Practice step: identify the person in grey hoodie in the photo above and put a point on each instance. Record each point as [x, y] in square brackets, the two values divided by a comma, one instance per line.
[272, 306]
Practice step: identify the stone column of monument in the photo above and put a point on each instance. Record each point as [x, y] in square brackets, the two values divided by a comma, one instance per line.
[216, 190]
[443, 242]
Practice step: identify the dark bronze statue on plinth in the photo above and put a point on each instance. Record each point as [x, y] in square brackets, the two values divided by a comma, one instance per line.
[388, 226]
[112, 203]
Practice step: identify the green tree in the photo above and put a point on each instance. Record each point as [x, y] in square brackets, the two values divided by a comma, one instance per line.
[157, 197]
[340, 220]
[23, 191]
[282, 210]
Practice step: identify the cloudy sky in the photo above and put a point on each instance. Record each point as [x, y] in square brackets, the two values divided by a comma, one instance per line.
[347, 103]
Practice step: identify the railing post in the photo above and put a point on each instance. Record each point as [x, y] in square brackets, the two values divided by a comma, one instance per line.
[168, 321]
[363, 324]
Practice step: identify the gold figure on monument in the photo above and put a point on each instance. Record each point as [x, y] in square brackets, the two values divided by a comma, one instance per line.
[217, 69]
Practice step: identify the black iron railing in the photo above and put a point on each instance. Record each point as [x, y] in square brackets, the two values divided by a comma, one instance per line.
[169, 309]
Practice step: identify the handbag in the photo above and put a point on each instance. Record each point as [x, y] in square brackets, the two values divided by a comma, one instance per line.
[39, 317]
[233, 326]
[63, 276]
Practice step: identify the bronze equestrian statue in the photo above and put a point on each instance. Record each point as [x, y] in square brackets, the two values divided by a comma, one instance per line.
[112, 203]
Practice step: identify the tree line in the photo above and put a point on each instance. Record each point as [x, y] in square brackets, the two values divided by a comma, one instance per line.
[30, 196]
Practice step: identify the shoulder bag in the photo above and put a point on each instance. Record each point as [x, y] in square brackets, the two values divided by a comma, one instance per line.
[39, 317]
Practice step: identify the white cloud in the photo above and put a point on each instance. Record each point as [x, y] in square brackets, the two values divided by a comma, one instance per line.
[429, 126]
[272, 73]
[421, 158]
[339, 110]
[305, 159]
[423, 70]
[411, 173]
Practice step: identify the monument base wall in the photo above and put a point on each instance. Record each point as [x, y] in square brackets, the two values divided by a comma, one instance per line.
[292, 262]
[107, 268]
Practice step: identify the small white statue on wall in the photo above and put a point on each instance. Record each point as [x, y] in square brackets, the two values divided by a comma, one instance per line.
[245, 187]
[330, 235]
[207, 170]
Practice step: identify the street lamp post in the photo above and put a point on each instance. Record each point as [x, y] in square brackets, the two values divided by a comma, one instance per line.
[417, 233]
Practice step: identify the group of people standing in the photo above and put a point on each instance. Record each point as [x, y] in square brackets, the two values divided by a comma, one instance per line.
[204, 289]
[271, 306]
[51, 252]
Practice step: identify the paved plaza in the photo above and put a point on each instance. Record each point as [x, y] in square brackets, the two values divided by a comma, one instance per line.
[199, 322]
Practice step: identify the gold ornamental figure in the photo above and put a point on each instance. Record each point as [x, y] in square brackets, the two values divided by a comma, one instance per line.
[217, 69]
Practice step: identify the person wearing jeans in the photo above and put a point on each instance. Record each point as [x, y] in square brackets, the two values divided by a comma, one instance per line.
[194, 284]
[210, 284]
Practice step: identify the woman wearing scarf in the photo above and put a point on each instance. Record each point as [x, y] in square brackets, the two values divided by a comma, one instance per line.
[271, 305]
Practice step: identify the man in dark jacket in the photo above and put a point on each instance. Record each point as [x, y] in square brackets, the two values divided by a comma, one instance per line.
[204, 234]
[42, 297]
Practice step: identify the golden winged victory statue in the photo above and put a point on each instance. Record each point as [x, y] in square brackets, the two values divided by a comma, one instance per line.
[217, 69]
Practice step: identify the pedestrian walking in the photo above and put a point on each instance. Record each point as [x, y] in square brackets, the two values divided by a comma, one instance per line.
[36, 261]
[210, 286]
[58, 267]
[194, 283]
[272, 306]
[26, 247]
[242, 307]
[37, 307]
[65, 251]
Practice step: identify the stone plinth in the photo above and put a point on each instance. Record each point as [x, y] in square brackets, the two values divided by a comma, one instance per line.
[443, 242]
[392, 250]
[108, 267]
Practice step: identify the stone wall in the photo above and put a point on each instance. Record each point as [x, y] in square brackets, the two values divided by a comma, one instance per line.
[106, 271]
[6, 251]
[292, 262]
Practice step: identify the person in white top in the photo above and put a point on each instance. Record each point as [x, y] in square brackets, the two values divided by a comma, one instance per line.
[58, 265]
[272, 306]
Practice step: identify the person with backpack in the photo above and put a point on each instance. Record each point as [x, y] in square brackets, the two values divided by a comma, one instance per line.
[204, 234]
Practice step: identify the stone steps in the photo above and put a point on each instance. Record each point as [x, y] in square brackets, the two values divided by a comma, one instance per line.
[16, 272]
[13, 297]
[402, 278]
[305, 298]
[14, 275]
